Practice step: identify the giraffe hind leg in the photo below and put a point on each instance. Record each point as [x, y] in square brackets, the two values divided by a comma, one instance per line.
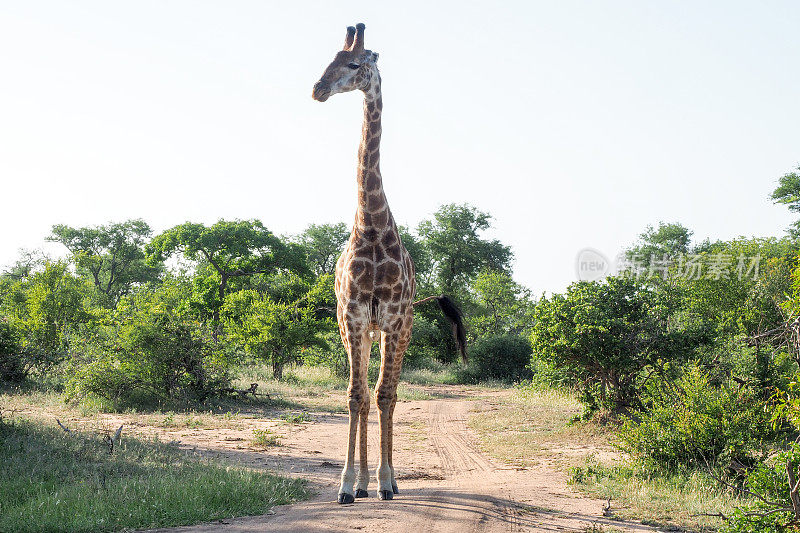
[393, 346]
[363, 418]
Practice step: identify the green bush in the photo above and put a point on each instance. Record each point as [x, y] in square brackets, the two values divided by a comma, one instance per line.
[502, 357]
[606, 333]
[332, 357]
[151, 351]
[692, 423]
[12, 363]
[770, 481]
[46, 309]
[431, 338]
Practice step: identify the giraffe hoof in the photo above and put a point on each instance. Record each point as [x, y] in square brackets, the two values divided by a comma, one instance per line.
[385, 494]
[361, 493]
[394, 488]
[345, 498]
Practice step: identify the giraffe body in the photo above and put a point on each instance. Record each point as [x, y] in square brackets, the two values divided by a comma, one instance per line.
[375, 283]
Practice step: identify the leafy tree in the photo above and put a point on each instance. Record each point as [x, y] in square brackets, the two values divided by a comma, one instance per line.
[695, 421]
[457, 250]
[150, 349]
[609, 331]
[111, 256]
[744, 285]
[504, 357]
[776, 508]
[46, 308]
[788, 194]
[670, 239]
[323, 244]
[272, 329]
[29, 262]
[13, 365]
[507, 306]
[229, 250]
[420, 255]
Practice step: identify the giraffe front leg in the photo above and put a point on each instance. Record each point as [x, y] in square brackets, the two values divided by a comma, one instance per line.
[357, 398]
[386, 397]
[346, 494]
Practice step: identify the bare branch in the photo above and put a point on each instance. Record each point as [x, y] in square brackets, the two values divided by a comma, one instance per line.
[741, 489]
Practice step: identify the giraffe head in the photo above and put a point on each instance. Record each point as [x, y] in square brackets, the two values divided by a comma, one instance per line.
[351, 69]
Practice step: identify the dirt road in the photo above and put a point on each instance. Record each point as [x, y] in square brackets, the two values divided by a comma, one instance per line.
[446, 484]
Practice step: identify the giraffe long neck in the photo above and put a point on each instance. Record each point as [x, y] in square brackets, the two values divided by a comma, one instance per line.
[373, 210]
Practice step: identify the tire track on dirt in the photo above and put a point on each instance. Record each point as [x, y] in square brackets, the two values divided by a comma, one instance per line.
[447, 485]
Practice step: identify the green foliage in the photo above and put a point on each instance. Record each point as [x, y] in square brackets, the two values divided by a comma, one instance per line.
[298, 418]
[788, 194]
[13, 363]
[786, 408]
[738, 300]
[134, 332]
[431, 337]
[608, 332]
[150, 350]
[770, 481]
[694, 423]
[504, 306]
[501, 357]
[457, 251]
[112, 256]
[264, 438]
[275, 328]
[46, 308]
[226, 251]
[323, 243]
[670, 239]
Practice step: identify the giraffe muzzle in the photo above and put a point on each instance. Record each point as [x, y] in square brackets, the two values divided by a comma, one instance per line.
[321, 91]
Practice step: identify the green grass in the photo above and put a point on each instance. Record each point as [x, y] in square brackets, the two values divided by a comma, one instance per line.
[307, 388]
[297, 418]
[537, 423]
[56, 481]
[534, 423]
[433, 373]
[683, 500]
[409, 392]
[264, 438]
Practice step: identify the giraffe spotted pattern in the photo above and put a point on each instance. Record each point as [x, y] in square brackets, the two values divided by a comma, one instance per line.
[375, 283]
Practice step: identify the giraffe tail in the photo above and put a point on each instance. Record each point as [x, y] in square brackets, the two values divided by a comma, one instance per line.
[456, 319]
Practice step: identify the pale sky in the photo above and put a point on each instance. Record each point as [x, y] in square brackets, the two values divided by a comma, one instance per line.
[575, 124]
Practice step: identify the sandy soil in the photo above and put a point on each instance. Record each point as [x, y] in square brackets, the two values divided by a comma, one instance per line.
[446, 484]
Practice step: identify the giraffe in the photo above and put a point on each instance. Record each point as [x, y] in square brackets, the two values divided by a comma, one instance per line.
[374, 283]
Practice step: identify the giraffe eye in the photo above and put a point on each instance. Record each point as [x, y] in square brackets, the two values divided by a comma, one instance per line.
[353, 66]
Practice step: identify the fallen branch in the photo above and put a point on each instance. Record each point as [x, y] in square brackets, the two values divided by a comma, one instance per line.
[113, 440]
[62, 426]
[717, 515]
[607, 508]
[110, 440]
[244, 392]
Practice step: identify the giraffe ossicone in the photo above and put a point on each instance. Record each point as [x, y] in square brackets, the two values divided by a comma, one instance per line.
[375, 284]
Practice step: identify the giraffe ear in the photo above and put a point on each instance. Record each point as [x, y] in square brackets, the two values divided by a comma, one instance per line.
[374, 57]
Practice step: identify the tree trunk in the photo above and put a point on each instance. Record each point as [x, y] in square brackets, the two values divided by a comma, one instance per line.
[223, 285]
[277, 369]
